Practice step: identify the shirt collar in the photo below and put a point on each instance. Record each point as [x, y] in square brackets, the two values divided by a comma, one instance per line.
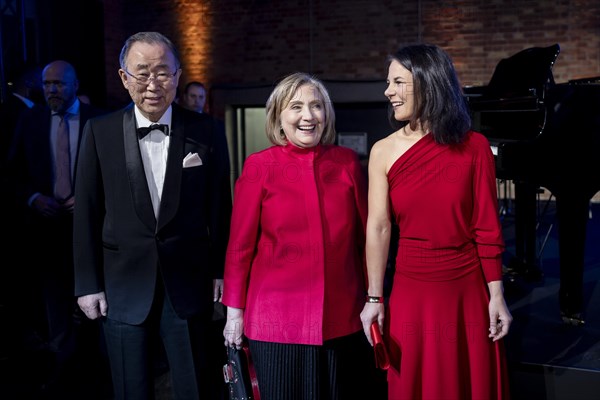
[143, 122]
[73, 110]
[302, 152]
[25, 100]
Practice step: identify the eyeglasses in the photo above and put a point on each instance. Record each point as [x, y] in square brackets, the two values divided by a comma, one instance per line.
[145, 79]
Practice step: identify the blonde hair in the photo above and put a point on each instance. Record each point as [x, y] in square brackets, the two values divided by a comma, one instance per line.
[280, 98]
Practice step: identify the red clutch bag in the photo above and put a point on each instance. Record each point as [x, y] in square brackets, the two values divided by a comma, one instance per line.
[381, 355]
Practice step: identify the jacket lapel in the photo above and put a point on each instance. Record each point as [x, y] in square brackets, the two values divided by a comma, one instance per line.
[135, 170]
[172, 186]
[84, 115]
[44, 164]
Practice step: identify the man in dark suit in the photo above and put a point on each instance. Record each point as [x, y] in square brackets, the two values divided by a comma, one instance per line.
[48, 216]
[23, 92]
[151, 225]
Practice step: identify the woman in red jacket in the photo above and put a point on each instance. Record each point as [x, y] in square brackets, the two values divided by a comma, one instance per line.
[295, 271]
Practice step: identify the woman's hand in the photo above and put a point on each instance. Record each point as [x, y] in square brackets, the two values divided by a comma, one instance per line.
[370, 313]
[500, 318]
[234, 328]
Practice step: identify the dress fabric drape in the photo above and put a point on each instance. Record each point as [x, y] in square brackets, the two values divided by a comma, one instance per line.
[450, 244]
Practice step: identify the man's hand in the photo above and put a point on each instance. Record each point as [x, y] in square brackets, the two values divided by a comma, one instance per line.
[47, 206]
[93, 305]
[50, 207]
[217, 290]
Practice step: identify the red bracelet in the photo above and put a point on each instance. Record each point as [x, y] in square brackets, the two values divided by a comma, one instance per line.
[374, 299]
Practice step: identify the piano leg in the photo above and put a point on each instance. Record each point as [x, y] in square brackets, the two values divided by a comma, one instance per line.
[572, 208]
[525, 261]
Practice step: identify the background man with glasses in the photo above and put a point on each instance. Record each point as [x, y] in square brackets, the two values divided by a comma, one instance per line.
[151, 226]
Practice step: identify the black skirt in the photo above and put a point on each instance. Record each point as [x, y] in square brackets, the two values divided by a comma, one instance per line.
[341, 368]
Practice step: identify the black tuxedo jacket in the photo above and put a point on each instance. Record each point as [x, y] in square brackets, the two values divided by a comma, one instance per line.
[120, 247]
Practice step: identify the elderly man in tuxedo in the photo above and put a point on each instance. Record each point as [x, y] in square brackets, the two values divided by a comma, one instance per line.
[151, 225]
[42, 164]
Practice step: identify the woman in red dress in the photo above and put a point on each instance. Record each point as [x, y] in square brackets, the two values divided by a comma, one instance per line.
[436, 179]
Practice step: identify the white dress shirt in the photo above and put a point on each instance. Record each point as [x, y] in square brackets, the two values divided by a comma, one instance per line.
[154, 148]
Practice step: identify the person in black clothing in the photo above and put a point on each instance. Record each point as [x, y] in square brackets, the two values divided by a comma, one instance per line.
[47, 218]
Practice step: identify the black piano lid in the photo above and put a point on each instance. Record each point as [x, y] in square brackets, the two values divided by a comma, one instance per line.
[511, 107]
[526, 72]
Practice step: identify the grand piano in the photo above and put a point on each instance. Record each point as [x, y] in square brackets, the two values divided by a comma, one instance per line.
[544, 134]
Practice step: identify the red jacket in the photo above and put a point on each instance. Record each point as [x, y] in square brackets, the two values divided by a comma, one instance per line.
[295, 260]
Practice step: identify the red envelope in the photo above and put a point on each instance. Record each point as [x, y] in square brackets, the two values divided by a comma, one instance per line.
[381, 356]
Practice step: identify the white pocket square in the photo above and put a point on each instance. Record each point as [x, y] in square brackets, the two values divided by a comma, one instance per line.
[192, 160]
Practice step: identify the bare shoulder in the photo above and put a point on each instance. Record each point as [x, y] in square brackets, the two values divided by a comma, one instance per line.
[386, 151]
[383, 147]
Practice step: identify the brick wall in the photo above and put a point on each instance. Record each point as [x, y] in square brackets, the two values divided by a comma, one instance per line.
[241, 42]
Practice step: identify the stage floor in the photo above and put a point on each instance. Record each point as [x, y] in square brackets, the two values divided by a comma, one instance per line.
[549, 359]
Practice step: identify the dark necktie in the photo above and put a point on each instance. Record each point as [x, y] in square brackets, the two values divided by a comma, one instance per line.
[141, 132]
[63, 188]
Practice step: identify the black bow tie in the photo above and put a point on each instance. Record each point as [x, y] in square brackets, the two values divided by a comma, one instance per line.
[141, 132]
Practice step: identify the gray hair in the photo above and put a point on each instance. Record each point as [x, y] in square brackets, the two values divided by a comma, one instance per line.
[150, 38]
